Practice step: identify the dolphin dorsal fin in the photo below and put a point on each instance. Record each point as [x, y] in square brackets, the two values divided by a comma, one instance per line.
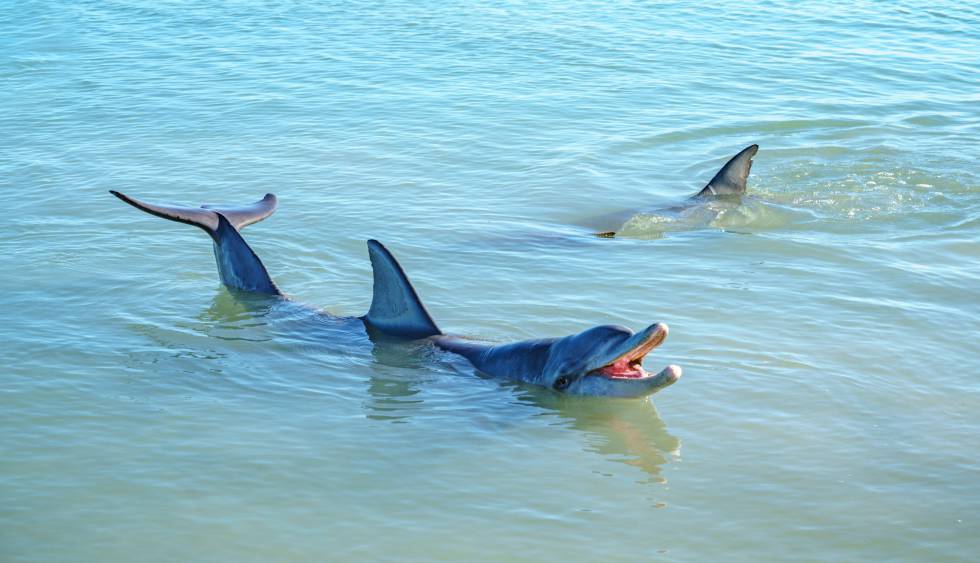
[206, 216]
[395, 308]
[732, 176]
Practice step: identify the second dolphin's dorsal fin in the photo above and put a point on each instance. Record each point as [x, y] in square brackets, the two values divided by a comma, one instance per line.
[395, 308]
[732, 177]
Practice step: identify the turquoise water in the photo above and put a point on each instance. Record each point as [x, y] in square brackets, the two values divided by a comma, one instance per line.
[827, 326]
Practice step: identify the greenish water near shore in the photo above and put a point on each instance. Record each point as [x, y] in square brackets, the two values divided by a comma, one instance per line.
[828, 326]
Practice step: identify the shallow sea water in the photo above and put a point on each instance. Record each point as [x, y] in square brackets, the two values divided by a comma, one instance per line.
[827, 324]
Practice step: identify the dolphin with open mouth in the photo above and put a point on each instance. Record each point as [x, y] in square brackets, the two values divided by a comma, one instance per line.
[604, 360]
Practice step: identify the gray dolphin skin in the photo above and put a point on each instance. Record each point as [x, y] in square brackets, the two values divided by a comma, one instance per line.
[604, 360]
[730, 180]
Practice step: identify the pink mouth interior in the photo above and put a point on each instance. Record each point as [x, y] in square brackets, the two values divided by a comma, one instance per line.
[624, 369]
[630, 365]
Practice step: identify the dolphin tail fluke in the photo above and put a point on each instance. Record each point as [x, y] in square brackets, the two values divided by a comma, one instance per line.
[244, 215]
[238, 265]
[733, 175]
[205, 216]
[396, 309]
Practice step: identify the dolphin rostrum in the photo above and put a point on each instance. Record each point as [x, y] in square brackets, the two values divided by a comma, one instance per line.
[730, 180]
[604, 360]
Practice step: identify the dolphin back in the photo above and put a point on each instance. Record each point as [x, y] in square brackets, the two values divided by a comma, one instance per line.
[238, 265]
[396, 309]
[732, 177]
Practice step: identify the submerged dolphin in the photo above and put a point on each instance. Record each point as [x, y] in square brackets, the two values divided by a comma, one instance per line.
[729, 181]
[603, 360]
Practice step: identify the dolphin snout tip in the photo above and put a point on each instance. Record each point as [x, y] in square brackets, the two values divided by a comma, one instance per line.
[656, 328]
[673, 372]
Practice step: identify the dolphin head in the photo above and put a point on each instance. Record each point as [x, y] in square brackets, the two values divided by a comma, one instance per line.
[607, 360]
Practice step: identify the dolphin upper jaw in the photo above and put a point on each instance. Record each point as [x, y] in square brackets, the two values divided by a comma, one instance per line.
[628, 360]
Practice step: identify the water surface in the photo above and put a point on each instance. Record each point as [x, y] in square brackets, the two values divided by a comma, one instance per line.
[827, 325]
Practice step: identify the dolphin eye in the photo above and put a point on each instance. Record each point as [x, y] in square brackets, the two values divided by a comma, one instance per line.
[562, 382]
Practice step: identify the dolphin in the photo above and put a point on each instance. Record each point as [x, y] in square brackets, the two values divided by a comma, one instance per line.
[603, 360]
[730, 181]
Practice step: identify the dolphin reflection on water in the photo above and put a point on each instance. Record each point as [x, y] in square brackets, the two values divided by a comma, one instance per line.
[630, 432]
[604, 360]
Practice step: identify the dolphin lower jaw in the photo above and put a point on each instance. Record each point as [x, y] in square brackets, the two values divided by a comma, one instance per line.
[603, 386]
